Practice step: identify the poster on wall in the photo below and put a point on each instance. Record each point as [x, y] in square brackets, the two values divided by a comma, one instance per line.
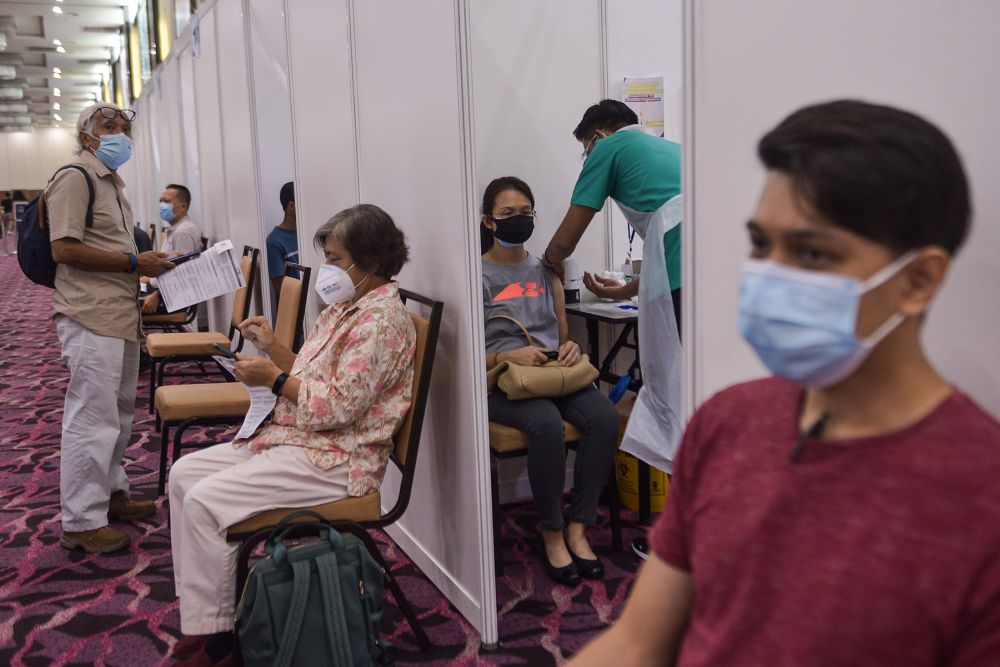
[645, 97]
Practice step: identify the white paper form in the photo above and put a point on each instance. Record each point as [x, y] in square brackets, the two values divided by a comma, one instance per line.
[213, 273]
[261, 404]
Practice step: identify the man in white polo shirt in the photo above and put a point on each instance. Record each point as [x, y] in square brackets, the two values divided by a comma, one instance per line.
[180, 238]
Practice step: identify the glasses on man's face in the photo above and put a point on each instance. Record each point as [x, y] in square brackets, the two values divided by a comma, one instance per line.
[530, 214]
[110, 113]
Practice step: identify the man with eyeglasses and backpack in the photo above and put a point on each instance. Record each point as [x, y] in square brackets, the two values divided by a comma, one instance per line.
[97, 316]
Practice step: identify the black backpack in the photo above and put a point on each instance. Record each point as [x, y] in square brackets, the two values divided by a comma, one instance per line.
[34, 250]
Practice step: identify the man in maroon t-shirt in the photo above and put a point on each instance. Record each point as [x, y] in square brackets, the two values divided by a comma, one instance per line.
[846, 511]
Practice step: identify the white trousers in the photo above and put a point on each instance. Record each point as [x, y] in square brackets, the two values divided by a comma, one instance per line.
[97, 422]
[217, 487]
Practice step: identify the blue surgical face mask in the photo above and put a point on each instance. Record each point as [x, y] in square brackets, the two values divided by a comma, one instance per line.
[167, 212]
[802, 324]
[114, 151]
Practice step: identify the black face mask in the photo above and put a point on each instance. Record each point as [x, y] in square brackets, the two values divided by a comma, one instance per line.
[515, 230]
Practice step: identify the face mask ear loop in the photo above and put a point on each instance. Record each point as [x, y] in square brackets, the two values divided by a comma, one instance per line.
[877, 280]
[887, 272]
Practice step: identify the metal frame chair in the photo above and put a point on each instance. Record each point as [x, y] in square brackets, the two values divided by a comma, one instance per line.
[255, 530]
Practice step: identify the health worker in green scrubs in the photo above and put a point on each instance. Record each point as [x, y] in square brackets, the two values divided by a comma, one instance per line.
[642, 174]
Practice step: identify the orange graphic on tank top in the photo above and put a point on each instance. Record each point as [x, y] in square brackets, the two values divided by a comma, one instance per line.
[517, 290]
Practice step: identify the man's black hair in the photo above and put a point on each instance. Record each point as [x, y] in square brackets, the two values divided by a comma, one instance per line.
[883, 173]
[287, 195]
[608, 115]
[183, 194]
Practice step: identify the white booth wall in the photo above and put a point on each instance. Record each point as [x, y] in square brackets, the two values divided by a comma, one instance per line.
[928, 57]
[238, 145]
[383, 113]
[28, 159]
[267, 55]
[534, 73]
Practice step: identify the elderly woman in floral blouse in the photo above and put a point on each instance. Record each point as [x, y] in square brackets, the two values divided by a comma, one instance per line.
[341, 400]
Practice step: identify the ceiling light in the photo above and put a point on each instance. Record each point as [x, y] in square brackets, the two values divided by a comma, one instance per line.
[56, 107]
[57, 10]
[57, 117]
[57, 76]
[59, 0]
[60, 49]
[56, 93]
[57, 42]
[56, 70]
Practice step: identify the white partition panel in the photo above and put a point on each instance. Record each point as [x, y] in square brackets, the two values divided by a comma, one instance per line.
[211, 161]
[240, 159]
[326, 177]
[929, 57]
[268, 59]
[528, 99]
[416, 162]
[189, 138]
[170, 129]
[644, 38]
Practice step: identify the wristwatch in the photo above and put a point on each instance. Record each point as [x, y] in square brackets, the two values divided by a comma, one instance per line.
[279, 384]
[133, 262]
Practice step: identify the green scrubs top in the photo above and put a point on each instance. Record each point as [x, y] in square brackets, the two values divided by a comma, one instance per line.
[642, 172]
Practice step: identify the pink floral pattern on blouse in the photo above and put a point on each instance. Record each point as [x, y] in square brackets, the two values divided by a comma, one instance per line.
[356, 370]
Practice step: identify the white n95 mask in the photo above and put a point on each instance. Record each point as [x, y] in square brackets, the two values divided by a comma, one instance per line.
[334, 285]
[802, 324]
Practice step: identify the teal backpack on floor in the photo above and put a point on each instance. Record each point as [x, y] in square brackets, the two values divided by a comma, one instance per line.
[317, 603]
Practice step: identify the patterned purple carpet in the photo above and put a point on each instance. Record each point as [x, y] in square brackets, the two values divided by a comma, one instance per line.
[68, 608]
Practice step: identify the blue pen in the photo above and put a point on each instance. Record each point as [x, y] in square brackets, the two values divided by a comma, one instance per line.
[628, 307]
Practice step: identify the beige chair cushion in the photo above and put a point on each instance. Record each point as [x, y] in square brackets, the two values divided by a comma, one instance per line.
[180, 317]
[188, 343]
[505, 439]
[185, 401]
[363, 508]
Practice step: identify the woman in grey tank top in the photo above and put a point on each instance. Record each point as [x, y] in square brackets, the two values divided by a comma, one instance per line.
[518, 291]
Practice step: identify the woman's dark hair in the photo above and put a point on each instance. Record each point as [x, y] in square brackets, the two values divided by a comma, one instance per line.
[373, 240]
[883, 173]
[493, 190]
[609, 115]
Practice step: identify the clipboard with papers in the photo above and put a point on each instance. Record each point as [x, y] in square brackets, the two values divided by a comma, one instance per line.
[211, 273]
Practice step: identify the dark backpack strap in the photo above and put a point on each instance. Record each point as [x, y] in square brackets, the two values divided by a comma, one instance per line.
[90, 188]
[296, 613]
[335, 616]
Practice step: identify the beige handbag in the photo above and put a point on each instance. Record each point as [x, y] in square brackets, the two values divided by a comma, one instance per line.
[549, 380]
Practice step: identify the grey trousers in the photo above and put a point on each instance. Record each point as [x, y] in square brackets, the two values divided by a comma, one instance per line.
[97, 422]
[541, 419]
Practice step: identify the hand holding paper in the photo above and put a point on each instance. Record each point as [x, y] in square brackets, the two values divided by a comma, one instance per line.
[256, 371]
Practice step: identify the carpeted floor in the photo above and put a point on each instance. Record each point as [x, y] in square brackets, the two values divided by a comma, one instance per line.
[68, 608]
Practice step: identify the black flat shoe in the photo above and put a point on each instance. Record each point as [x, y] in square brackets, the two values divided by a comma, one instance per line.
[588, 569]
[567, 575]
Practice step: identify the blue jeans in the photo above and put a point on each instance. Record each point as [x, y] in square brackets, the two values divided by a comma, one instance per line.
[542, 420]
